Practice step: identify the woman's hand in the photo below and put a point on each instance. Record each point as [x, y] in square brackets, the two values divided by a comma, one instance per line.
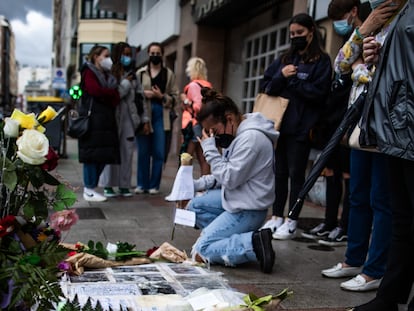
[205, 135]
[289, 71]
[146, 129]
[377, 18]
[371, 50]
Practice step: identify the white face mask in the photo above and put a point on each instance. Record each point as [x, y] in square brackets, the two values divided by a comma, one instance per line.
[106, 63]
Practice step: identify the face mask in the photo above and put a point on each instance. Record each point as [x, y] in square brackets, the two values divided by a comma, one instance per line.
[375, 3]
[224, 140]
[155, 59]
[106, 63]
[299, 43]
[342, 27]
[125, 60]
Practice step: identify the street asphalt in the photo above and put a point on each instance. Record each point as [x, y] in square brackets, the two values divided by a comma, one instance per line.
[146, 221]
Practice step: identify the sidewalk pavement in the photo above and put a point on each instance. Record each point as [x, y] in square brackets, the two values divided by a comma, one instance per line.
[146, 221]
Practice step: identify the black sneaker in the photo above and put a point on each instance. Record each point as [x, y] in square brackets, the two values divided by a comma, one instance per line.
[262, 246]
[319, 232]
[337, 237]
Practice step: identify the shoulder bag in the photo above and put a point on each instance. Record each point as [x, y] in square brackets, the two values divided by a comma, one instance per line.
[78, 125]
[272, 107]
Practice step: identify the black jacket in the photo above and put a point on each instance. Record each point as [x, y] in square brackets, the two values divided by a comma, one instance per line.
[100, 144]
[388, 118]
[306, 92]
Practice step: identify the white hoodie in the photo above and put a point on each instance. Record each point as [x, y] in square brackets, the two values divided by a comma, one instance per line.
[246, 168]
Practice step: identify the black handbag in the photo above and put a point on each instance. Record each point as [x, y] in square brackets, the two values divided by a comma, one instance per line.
[78, 125]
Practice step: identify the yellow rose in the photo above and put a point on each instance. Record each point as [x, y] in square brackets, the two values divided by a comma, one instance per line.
[11, 128]
[47, 115]
[26, 121]
[33, 147]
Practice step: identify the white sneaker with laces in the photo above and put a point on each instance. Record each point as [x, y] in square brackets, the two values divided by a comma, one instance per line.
[360, 284]
[93, 196]
[139, 190]
[287, 231]
[273, 223]
[153, 191]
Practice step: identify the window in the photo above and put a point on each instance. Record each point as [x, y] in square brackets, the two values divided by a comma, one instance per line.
[259, 52]
[90, 12]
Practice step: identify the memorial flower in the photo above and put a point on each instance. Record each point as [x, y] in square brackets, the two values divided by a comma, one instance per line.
[34, 210]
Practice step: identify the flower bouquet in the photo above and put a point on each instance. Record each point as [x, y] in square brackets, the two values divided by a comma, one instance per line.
[34, 210]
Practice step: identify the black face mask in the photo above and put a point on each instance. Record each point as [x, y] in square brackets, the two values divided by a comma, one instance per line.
[224, 140]
[155, 59]
[299, 43]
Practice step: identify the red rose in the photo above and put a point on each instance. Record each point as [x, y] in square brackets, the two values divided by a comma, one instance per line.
[51, 160]
[6, 225]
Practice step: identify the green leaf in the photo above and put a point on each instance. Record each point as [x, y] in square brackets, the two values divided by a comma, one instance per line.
[64, 198]
[9, 174]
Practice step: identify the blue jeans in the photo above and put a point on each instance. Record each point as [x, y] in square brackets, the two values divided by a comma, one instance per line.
[91, 173]
[369, 228]
[151, 146]
[227, 238]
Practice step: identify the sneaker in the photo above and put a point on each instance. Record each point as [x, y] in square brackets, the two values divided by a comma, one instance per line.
[337, 237]
[109, 192]
[286, 231]
[273, 223]
[360, 284]
[319, 232]
[339, 271]
[139, 190]
[124, 192]
[262, 246]
[93, 196]
[153, 191]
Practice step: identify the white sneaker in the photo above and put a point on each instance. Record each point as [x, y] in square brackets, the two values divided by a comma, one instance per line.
[273, 223]
[139, 190]
[92, 196]
[153, 191]
[360, 284]
[287, 231]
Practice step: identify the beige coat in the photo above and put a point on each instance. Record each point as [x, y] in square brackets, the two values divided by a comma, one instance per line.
[171, 96]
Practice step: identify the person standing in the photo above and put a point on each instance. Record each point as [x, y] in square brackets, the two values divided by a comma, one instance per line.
[303, 75]
[392, 131]
[370, 217]
[128, 120]
[161, 95]
[100, 145]
[191, 104]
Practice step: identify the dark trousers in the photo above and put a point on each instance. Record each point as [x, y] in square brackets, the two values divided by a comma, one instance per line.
[291, 161]
[399, 275]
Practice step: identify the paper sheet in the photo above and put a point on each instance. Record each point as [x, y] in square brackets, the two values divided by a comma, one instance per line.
[183, 187]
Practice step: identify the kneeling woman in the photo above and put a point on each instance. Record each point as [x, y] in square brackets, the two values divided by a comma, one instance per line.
[243, 164]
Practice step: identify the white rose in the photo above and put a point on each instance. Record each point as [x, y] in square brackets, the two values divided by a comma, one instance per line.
[33, 147]
[11, 128]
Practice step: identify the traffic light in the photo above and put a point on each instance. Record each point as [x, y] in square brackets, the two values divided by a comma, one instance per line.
[75, 92]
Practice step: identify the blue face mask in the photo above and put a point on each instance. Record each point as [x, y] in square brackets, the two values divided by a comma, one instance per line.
[375, 3]
[342, 27]
[125, 60]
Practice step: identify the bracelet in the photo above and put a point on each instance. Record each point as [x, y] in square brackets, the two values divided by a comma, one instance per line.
[359, 34]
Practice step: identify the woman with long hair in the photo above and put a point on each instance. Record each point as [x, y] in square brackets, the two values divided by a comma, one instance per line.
[302, 74]
[100, 145]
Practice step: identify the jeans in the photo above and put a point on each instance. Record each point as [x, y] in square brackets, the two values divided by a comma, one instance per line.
[91, 173]
[207, 207]
[369, 228]
[227, 238]
[151, 146]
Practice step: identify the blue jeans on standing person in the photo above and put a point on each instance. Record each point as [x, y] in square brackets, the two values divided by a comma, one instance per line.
[152, 146]
[91, 173]
[226, 237]
[370, 219]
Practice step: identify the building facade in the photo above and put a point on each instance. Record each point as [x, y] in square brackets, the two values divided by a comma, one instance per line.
[8, 68]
